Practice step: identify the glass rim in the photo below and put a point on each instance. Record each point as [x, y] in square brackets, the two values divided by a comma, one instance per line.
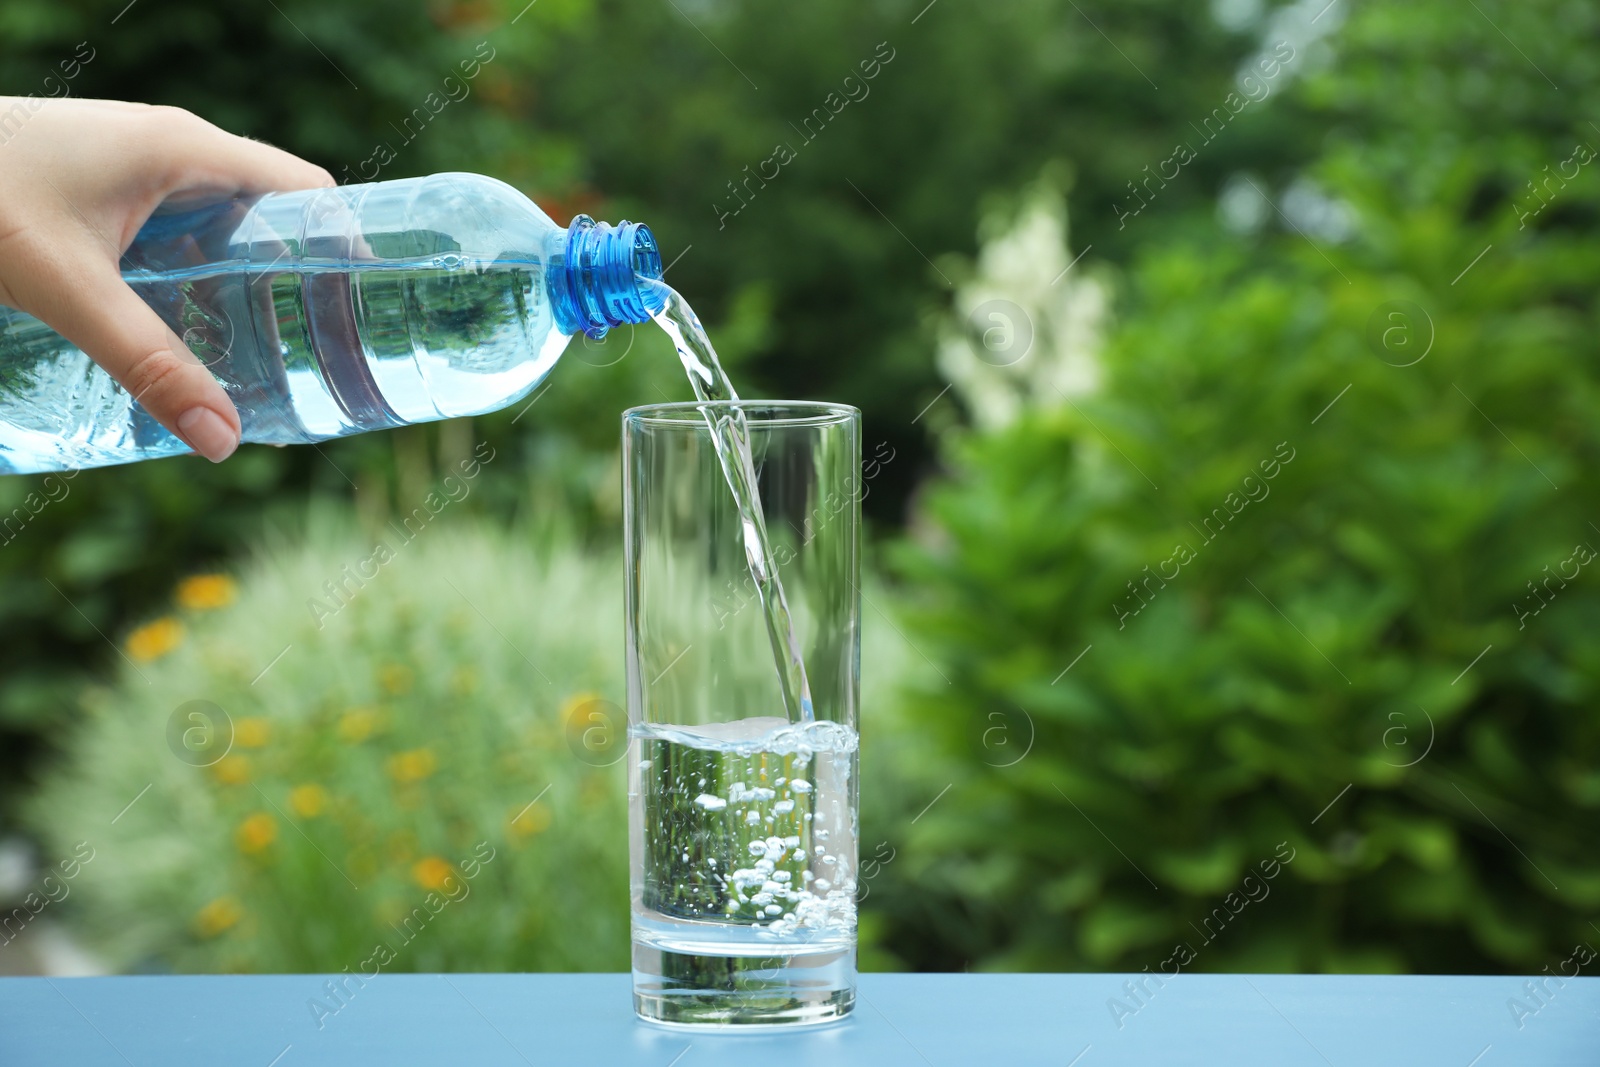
[690, 413]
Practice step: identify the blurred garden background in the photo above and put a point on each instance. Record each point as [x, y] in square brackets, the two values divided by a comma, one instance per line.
[1231, 407]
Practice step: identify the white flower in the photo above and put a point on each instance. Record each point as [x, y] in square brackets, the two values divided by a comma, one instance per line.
[1026, 330]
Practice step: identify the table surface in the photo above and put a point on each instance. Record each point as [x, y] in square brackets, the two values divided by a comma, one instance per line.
[1064, 1020]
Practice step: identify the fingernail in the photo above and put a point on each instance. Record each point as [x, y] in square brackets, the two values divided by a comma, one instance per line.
[208, 433]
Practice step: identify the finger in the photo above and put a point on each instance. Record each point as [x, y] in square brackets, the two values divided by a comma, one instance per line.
[223, 159]
[261, 168]
[119, 331]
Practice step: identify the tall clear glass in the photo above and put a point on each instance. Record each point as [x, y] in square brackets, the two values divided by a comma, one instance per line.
[743, 824]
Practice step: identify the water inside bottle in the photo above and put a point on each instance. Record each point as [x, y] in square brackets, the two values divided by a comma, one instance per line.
[321, 349]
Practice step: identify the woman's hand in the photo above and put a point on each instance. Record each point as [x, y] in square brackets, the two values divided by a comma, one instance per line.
[78, 178]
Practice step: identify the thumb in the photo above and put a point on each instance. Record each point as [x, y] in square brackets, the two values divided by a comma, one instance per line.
[115, 328]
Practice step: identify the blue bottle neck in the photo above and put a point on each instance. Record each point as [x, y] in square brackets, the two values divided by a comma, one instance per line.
[597, 282]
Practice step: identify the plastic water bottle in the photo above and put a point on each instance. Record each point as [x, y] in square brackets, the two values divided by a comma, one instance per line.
[328, 312]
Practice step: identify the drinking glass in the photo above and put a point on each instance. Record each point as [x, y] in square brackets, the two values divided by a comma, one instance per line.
[742, 820]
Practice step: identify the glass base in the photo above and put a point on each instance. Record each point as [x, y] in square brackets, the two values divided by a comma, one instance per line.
[680, 988]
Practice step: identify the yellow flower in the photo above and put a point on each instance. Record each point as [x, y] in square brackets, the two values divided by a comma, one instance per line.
[232, 770]
[361, 863]
[251, 733]
[219, 915]
[395, 678]
[431, 872]
[402, 846]
[533, 819]
[412, 766]
[206, 591]
[155, 639]
[575, 703]
[357, 724]
[308, 800]
[594, 789]
[256, 832]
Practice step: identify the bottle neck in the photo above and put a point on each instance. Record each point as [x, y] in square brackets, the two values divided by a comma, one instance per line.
[600, 279]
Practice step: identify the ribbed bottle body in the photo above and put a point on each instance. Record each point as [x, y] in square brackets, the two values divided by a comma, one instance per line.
[322, 312]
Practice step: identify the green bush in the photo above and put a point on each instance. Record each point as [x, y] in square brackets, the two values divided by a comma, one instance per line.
[424, 739]
[1321, 540]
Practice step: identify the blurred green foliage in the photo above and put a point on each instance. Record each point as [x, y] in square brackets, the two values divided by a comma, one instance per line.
[1320, 541]
[1416, 160]
[419, 719]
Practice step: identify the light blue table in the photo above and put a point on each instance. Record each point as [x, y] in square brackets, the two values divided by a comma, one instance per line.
[934, 1020]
